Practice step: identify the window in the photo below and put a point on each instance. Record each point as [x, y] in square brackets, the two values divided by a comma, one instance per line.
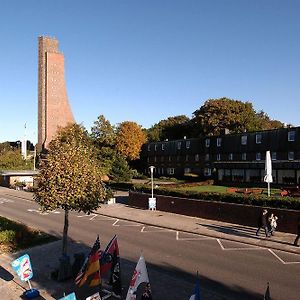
[154, 158]
[273, 155]
[291, 136]
[207, 142]
[148, 159]
[230, 156]
[244, 140]
[178, 158]
[187, 170]
[196, 157]
[187, 144]
[149, 148]
[178, 145]
[170, 158]
[291, 155]
[207, 172]
[258, 156]
[170, 171]
[258, 138]
[244, 156]
[162, 171]
[187, 157]
[219, 142]
[155, 147]
[206, 157]
[162, 146]
[218, 156]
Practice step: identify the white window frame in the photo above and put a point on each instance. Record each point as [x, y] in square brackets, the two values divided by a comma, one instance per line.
[178, 145]
[197, 157]
[274, 155]
[291, 155]
[207, 171]
[219, 142]
[291, 135]
[186, 157]
[207, 143]
[230, 156]
[244, 156]
[188, 144]
[149, 147]
[258, 138]
[162, 146]
[258, 156]
[155, 147]
[244, 139]
[218, 156]
[170, 171]
[207, 157]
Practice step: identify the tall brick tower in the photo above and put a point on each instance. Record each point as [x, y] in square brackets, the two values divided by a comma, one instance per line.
[53, 106]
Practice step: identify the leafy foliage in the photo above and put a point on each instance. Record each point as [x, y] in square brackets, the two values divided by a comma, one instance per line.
[70, 178]
[172, 128]
[104, 136]
[11, 159]
[121, 171]
[129, 140]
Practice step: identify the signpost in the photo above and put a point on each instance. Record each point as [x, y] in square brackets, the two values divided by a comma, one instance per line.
[152, 200]
[22, 267]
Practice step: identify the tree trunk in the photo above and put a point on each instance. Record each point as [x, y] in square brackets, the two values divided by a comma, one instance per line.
[65, 233]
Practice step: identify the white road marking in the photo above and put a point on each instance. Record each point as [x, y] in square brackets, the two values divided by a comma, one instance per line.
[90, 216]
[196, 238]
[281, 260]
[134, 225]
[5, 200]
[239, 249]
[158, 230]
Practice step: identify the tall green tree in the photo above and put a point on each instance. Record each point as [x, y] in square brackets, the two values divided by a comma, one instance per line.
[69, 177]
[219, 114]
[104, 136]
[129, 140]
[171, 128]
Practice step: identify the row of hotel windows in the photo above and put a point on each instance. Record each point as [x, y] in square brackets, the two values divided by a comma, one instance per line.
[244, 138]
[171, 171]
[258, 156]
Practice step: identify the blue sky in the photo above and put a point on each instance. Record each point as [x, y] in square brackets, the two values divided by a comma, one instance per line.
[147, 60]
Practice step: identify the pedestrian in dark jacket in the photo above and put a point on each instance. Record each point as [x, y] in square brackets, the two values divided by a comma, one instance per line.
[298, 235]
[263, 223]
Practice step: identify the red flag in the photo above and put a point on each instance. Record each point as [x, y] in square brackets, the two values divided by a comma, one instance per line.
[107, 255]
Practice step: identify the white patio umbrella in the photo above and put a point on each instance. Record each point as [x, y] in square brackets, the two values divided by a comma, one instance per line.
[268, 171]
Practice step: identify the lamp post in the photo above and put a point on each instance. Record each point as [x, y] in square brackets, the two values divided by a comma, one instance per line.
[152, 200]
[151, 172]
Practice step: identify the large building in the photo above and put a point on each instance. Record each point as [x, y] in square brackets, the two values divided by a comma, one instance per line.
[53, 106]
[229, 158]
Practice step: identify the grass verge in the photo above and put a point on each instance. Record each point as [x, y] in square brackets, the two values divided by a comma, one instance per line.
[16, 236]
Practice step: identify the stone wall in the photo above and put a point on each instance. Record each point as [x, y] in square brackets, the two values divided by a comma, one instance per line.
[226, 212]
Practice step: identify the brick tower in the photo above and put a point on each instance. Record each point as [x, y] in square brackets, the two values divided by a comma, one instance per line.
[53, 106]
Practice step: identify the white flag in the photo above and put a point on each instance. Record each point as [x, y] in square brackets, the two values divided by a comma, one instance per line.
[140, 275]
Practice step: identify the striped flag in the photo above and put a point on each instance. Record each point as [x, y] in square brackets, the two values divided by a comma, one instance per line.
[90, 267]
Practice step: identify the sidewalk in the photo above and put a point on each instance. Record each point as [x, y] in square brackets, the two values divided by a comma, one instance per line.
[211, 228]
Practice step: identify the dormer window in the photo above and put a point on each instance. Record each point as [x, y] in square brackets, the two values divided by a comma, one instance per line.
[219, 142]
[244, 140]
[291, 136]
[207, 143]
[187, 144]
[258, 138]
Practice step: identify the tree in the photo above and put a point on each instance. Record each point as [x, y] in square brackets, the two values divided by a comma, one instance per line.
[69, 177]
[121, 171]
[172, 128]
[219, 114]
[266, 123]
[129, 140]
[104, 136]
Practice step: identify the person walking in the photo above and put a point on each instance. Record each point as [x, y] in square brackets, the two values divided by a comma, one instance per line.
[273, 224]
[263, 223]
[298, 235]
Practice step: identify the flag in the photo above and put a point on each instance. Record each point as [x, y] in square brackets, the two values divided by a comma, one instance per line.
[91, 266]
[140, 275]
[196, 294]
[110, 260]
[267, 295]
[147, 293]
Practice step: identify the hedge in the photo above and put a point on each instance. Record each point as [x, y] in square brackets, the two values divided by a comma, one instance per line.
[257, 199]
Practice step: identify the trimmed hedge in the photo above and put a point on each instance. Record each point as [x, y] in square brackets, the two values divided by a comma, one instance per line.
[257, 200]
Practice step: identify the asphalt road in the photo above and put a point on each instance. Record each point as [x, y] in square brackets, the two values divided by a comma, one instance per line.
[227, 270]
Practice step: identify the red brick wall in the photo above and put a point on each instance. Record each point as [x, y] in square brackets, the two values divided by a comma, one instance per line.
[226, 212]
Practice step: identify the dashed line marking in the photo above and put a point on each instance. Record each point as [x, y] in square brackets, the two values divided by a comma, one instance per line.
[196, 238]
[238, 248]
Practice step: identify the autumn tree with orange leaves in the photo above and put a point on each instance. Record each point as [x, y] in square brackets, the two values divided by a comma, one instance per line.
[129, 140]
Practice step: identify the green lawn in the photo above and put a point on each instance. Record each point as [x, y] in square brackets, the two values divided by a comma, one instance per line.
[15, 236]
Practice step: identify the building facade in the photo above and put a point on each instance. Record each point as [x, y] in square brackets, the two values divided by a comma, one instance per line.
[53, 106]
[229, 157]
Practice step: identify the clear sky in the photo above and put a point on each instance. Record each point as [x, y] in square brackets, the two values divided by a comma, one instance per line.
[147, 60]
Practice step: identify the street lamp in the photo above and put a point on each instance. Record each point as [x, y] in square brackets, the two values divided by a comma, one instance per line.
[151, 172]
[152, 201]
